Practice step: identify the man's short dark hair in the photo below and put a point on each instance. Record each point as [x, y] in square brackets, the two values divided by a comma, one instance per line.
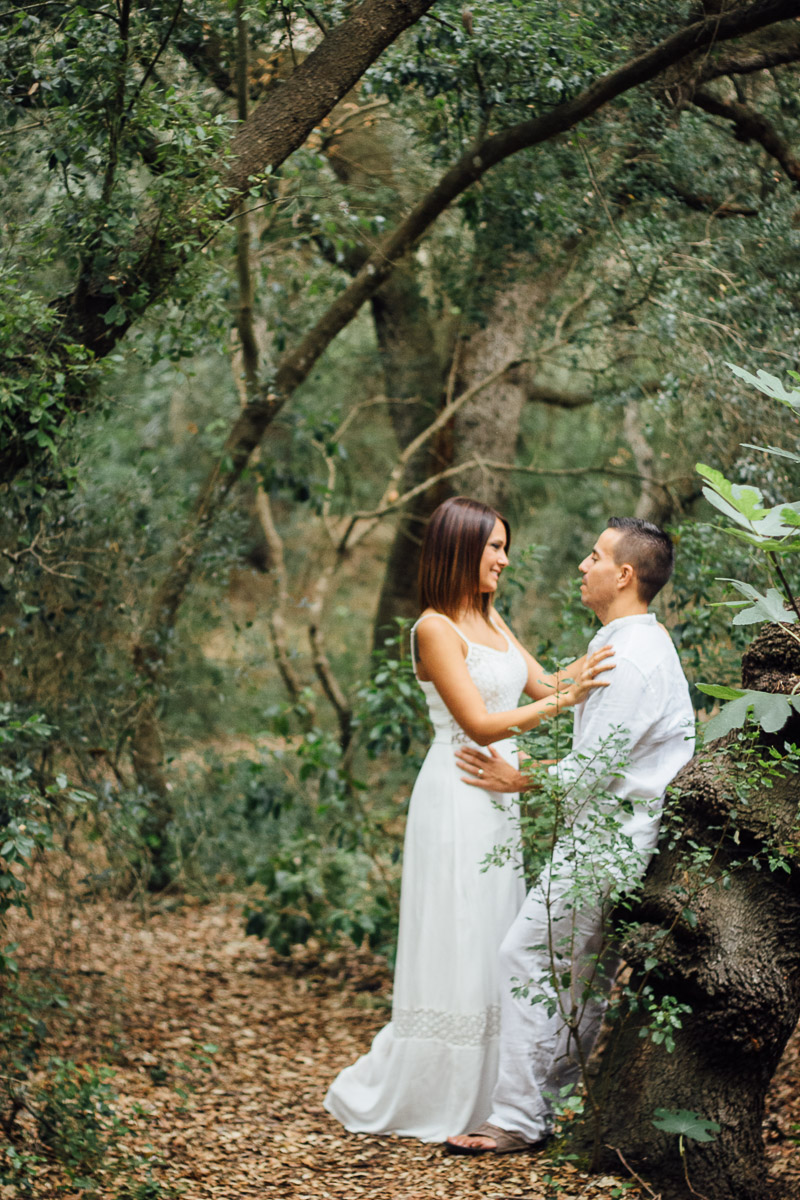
[648, 549]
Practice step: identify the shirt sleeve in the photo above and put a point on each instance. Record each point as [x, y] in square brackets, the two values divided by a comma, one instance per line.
[613, 720]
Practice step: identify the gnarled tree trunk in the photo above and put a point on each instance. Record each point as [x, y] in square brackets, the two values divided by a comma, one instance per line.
[726, 931]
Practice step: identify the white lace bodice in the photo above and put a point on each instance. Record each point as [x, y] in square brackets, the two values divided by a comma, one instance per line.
[499, 676]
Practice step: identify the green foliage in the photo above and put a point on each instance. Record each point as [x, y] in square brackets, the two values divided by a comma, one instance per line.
[393, 716]
[59, 1113]
[327, 893]
[335, 876]
[27, 805]
[42, 377]
[707, 644]
[76, 1119]
[686, 1124]
[507, 61]
[770, 710]
[772, 529]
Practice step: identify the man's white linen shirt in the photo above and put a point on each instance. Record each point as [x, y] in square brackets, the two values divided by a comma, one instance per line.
[647, 714]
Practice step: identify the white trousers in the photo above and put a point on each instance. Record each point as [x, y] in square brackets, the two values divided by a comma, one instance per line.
[557, 952]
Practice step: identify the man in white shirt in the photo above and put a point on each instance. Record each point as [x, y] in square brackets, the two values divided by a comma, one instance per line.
[630, 739]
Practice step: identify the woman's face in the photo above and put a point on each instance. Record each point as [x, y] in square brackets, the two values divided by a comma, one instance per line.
[493, 559]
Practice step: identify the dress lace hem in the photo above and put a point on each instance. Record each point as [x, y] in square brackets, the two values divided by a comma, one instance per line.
[455, 1029]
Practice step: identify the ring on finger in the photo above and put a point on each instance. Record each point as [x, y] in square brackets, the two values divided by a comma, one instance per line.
[480, 772]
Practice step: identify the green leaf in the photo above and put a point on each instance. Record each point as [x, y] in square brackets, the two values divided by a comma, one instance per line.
[773, 450]
[719, 691]
[770, 385]
[686, 1124]
[742, 504]
[768, 607]
[770, 710]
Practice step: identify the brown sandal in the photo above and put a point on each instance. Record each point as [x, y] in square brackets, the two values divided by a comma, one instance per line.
[505, 1142]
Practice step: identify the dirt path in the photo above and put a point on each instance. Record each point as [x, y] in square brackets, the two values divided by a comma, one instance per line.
[222, 1056]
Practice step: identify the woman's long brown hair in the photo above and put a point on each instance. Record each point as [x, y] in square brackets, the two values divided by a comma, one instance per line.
[449, 569]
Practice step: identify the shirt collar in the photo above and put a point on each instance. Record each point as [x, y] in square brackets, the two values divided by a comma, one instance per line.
[607, 631]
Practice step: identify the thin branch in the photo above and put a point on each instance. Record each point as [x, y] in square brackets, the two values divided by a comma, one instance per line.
[371, 403]
[322, 665]
[371, 517]
[746, 62]
[151, 66]
[751, 126]
[726, 329]
[320, 24]
[244, 315]
[276, 619]
[702, 202]
[22, 128]
[288, 23]
[602, 198]
[357, 111]
[15, 556]
[569, 311]
[630, 1170]
[772, 556]
[445, 416]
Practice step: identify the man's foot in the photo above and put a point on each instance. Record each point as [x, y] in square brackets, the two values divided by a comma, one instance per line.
[490, 1139]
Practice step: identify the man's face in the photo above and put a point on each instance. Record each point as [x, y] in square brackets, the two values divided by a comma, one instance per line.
[600, 573]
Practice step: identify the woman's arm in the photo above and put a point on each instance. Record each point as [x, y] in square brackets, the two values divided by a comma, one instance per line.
[441, 655]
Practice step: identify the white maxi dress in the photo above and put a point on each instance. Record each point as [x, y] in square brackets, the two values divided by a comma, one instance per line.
[431, 1070]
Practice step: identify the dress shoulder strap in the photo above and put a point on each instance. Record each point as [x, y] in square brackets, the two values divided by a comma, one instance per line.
[419, 621]
[452, 624]
[500, 630]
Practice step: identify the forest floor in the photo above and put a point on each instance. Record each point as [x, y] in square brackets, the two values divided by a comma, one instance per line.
[222, 1052]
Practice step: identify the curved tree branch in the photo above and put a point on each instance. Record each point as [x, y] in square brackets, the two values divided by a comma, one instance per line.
[751, 126]
[785, 48]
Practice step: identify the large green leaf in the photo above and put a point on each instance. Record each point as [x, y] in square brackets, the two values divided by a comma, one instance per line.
[770, 385]
[744, 506]
[770, 710]
[765, 607]
[686, 1124]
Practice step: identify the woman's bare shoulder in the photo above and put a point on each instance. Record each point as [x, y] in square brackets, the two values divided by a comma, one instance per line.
[439, 631]
[432, 625]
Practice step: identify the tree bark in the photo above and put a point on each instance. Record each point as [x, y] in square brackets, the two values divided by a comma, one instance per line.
[735, 962]
[412, 370]
[488, 427]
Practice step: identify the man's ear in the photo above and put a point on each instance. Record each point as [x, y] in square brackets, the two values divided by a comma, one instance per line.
[626, 576]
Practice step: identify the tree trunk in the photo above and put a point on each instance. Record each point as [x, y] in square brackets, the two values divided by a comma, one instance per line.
[147, 756]
[363, 150]
[488, 426]
[412, 370]
[725, 929]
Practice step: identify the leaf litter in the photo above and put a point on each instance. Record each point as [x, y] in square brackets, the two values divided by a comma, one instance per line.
[222, 1052]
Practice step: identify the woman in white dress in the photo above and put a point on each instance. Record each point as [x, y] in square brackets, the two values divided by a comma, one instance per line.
[433, 1067]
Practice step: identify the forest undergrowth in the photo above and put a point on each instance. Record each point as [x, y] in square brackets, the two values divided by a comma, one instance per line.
[221, 1052]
